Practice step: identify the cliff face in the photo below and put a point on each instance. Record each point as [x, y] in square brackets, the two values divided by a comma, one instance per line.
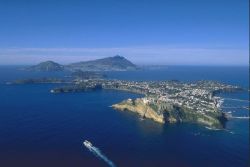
[168, 113]
[139, 107]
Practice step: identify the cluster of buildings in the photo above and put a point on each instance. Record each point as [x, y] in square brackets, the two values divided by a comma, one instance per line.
[198, 96]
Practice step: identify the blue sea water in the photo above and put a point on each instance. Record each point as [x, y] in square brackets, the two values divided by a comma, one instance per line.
[38, 128]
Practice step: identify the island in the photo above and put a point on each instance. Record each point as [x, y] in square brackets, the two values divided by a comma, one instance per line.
[73, 77]
[37, 81]
[115, 63]
[165, 101]
[48, 66]
[79, 74]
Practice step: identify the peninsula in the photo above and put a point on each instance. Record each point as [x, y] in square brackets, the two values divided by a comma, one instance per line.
[165, 101]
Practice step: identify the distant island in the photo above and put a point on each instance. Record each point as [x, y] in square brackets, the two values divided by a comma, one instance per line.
[46, 66]
[115, 63]
[36, 81]
[77, 75]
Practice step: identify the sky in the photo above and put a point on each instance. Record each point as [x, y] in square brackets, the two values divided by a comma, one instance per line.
[164, 32]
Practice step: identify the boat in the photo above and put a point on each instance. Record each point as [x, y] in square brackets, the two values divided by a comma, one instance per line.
[141, 118]
[87, 144]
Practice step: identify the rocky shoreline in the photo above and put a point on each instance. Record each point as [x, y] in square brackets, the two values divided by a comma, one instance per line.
[171, 114]
[167, 101]
[163, 101]
[137, 106]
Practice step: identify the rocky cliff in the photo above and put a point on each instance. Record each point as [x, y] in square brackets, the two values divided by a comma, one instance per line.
[169, 113]
[139, 107]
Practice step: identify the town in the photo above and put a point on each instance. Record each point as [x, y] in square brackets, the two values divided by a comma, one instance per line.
[169, 101]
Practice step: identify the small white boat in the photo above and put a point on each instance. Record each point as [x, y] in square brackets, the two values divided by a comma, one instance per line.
[87, 144]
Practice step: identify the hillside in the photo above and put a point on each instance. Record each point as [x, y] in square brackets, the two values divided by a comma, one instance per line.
[46, 66]
[116, 63]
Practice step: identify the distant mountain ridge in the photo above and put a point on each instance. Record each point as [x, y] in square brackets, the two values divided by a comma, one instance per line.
[115, 63]
[46, 66]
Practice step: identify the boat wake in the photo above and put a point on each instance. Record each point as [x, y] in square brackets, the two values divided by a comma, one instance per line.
[229, 131]
[97, 153]
[215, 129]
[236, 99]
[240, 117]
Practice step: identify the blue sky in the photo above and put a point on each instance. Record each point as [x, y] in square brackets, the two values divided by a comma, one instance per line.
[190, 32]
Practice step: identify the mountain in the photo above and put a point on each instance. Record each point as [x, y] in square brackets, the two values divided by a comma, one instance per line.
[46, 66]
[116, 63]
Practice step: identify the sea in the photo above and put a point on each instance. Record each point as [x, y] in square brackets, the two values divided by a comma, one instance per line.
[40, 129]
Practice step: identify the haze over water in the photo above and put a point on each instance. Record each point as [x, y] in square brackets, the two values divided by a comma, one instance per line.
[43, 129]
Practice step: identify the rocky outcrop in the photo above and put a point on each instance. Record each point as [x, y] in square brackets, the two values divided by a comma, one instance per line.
[169, 113]
[140, 108]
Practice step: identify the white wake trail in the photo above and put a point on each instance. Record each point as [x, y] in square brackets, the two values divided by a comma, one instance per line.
[240, 117]
[97, 152]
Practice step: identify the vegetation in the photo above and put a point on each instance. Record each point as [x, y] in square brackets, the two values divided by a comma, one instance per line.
[116, 63]
[46, 66]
